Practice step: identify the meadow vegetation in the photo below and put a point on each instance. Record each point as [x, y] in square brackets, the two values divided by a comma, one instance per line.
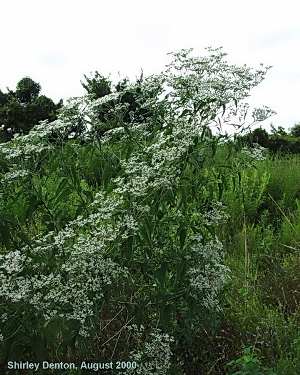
[132, 229]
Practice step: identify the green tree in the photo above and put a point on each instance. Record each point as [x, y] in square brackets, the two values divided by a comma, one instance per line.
[295, 131]
[27, 90]
[23, 108]
[279, 132]
[131, 97]
[97, 86]
[261, 137]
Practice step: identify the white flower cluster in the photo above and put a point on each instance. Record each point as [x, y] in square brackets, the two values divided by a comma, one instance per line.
[261, 114]
[154, 357]
[73, 290]
[27, 145]
[10, 153]
[161, 168]
[12, 262]
[10, 177]
[33, 143]
[76, 285]
[216, 215]
[110, 134]
[105, 99]
[15, 288]
[255, 153]
[209, 86]
[207, 274]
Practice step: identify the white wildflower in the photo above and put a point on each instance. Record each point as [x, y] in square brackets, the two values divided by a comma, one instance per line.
[207, 274]
[255, 153]
[216, 215]
[9, 177]
[154, 357]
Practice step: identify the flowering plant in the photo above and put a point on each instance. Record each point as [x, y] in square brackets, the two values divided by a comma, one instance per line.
[116, 226]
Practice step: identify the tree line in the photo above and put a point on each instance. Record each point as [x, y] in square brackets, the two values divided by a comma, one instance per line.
[23, 108]
[278, 141]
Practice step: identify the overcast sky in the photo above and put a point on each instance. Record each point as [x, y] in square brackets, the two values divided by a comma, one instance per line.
[56, 42]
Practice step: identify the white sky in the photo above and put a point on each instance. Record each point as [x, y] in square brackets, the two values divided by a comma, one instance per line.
[56, 42]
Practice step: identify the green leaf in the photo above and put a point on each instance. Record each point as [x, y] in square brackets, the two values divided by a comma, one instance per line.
[165, 315]
[214, 146]
[221, 188]
[89, 195]
[224, 109]
[24, 238]
[240, 178]
[146, 231]
[161, 272]
[31, 207]
[139, 310]
[229, 149]
[69, 340]
[75, 178]
[4, 235]
[181, 271]
[182, 236]
[64, 181]
[129, 247]
[80, 209]
[184, 112]
[145, 235]
[211, 192]
[127, 130]
[38, 344]
[181, 199]
[156, 129]
[210, 229]
[233, 183]
[63, 194]
[129, 150]
[106, 176]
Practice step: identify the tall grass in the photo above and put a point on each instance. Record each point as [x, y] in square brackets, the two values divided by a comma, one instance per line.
[262, 244]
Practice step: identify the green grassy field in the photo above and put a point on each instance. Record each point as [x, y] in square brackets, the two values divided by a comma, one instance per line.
[261, 326]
